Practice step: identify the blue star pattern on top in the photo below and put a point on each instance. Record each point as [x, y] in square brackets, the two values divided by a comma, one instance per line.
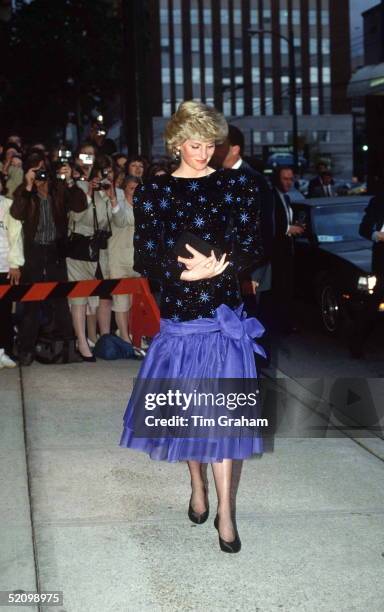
[222, 208]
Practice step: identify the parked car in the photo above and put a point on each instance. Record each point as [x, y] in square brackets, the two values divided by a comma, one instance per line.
[332, 261]
[358, 189]
[285, 159]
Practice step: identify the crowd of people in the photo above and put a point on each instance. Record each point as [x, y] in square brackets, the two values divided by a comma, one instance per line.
[68, 215]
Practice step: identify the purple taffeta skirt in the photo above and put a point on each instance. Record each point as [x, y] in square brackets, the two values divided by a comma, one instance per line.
[220, 347]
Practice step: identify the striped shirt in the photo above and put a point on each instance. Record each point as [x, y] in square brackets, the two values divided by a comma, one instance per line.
[46, 229]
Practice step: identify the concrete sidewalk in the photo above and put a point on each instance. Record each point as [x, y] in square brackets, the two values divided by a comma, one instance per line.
[110, 526]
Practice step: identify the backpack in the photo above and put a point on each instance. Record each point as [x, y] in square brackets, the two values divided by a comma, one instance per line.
[54, 350]
[110, 346]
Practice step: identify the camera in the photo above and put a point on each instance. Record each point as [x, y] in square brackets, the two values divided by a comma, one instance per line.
[105, 183]
[101, 129]
[87, 159]
[64, 156]
[41, 175]
[102, 237]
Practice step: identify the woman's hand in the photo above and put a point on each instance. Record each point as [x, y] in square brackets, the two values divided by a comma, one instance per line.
[111, 193]
[66, 171]
[14, 275]
[92, 185]
[30, 178]
[206, 268]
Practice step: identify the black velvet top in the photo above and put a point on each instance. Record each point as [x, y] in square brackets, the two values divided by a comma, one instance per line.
[222, 208]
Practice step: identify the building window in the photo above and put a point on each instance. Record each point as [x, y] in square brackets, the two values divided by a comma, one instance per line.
[177, 16]
[165, 75]
[267, 17]
[296, 17]
[312, 17]
[324, 136]
[178, 76]
[237, 16]
[314, 106]
[326, 75]
[166, 108]
[284, 17]
[325, 46]
[324, 17]
[269, 137]
[224, 17]
[314, 74]
[254, 17]
[256, 137]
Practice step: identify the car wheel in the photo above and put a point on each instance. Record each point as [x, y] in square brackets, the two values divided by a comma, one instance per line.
[331, 314]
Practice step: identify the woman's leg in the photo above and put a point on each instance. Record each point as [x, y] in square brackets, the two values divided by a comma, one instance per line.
[222, 473]
[122, 324]
[78, 320]
[92, 327]
[198, 500]
[104, 316]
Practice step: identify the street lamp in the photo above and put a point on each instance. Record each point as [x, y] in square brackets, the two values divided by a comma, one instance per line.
[292, 80]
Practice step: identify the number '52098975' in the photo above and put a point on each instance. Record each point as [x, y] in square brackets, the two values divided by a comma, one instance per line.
[23, 598]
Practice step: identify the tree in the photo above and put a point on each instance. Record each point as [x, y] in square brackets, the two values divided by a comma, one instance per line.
[61, 56]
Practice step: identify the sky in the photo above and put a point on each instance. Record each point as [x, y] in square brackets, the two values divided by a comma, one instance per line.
[356, 8]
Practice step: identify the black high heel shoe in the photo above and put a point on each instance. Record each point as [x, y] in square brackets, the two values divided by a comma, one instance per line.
[199, 519]
[88, 359]
[229, 547]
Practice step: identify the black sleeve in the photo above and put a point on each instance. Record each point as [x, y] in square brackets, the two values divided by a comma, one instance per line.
[150, 258]
[247, 252]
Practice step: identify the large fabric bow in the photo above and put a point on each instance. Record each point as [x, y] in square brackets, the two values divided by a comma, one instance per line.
[232, 323]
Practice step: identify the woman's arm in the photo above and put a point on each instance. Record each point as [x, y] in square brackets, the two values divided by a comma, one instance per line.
[148, 228]
[22, 201]
[247, 245]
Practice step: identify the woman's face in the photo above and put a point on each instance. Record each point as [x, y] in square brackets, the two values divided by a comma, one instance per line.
[136, 168]
[197, 153]
[129, 190]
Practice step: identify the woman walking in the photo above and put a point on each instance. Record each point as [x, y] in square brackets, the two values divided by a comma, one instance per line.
[200, 303]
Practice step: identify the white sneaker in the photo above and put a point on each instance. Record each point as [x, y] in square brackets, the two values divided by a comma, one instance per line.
[7, 362]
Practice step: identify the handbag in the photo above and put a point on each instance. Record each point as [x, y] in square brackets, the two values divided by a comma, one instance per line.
[197, 243]
[87, 248]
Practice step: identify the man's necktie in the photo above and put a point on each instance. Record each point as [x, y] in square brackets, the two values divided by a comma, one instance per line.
[287, 201]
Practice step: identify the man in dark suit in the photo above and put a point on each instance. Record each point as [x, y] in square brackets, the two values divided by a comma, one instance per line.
[324, 186]
[371, 228]
[285, 230]
[321, 186]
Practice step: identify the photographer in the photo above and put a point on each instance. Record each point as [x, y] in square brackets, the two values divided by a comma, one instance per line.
[42, 204]
[98, 138]
[84, 160]
[96, 222]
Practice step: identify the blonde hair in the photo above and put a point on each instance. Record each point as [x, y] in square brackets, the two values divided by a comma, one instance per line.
[194, 120]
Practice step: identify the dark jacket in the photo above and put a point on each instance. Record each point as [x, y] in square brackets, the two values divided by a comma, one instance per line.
[316, 188]
[373, 221]
[282, 243]
[26, 207]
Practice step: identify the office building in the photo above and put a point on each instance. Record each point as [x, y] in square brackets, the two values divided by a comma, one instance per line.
[202, 49]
